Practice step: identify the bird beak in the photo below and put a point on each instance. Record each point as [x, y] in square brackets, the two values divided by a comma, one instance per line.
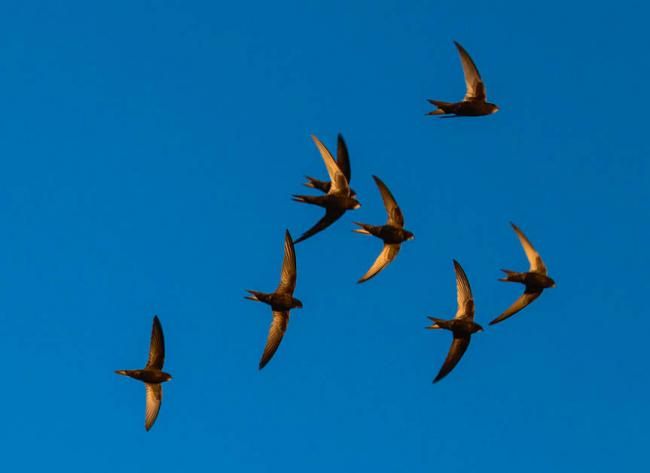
[357, 206]
[412, 237]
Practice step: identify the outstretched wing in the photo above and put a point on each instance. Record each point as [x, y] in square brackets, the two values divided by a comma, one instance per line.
[288, 276]
[329, 218]
[473, 81]
[157, 347]
[536, 263]
[456, 352]
[339, 182]
[395, 216]
[388, 254]
[343, 158]
[463, 294]
[525, 299]
[154, 398]
[276, 332]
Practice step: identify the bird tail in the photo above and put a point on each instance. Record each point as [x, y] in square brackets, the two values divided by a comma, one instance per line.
[511, 276]
[305, 199]
[437, 323]
[315, 184]
[255, 296]
[364, 230]
[122, 372]
[442, 106]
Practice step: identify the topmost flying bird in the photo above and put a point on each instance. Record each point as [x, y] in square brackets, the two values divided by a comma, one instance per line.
[535, 280]
[474, 103]
[338, 199]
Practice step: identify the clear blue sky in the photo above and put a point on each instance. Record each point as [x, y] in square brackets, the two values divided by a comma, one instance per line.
[149, 151]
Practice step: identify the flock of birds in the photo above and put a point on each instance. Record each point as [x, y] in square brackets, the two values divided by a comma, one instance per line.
[337, 198]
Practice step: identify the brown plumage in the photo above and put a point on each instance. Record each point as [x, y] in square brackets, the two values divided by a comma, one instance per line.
[338, 199]
[152, 375]
[535, 280]
[392, 233]
[474, 103]
[462, 325]
[281, 301]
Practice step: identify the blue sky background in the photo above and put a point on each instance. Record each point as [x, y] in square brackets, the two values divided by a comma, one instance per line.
[148, 154]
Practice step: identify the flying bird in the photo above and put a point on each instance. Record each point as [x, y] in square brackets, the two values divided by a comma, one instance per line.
[474, 103]
[535, 280]
[337, 200]
[393, 233]
[462, 325]
[343, 162]
[281, 301]
[152, 374]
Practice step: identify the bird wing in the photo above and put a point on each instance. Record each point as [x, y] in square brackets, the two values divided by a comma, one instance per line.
[157, 347]
[288, 276]
[276, 332]
[526, 298]
[395, 216]
[154, 398]
[473, 81]
[339, 182]
[463, 294]
[536, 263]
[387, 255]
[328, 219]
[456, 352]
[343, 158]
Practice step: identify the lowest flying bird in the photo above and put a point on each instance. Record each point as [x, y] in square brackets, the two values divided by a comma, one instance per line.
[152, 374]
[475, 103]
[392, 234]
[281, 301]
[338, 199]
[462, 325]
[535, 280]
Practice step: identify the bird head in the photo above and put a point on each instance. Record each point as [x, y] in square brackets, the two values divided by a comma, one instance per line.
[409, 235]
[478, 328]
[167, 376]
[297, 304]
[551, 283]
[493, 107]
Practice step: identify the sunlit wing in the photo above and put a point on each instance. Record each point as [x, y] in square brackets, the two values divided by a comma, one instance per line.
[276, 332]
[388, 254]
[154, 399]
[463, 294]
[523, 300]
[473, 81]
[339, 182]
[535, 260]
[288, 276]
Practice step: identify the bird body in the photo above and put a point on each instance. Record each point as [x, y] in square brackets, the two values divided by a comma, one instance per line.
[475, 103]
[146, 375]
[390, 234]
